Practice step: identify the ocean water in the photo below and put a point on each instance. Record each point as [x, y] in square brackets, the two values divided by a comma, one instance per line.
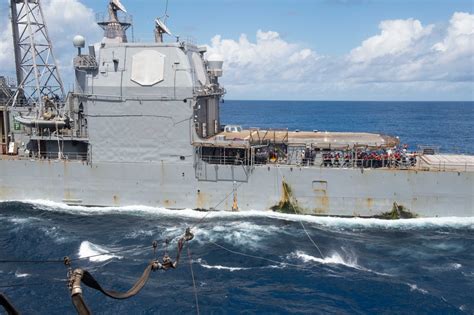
[448, 125]
[257, 262]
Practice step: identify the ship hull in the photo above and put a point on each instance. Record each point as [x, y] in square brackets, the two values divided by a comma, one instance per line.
[314, 190]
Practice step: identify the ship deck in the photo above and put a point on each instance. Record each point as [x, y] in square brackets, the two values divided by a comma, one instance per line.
[319, 139]
[447, 162]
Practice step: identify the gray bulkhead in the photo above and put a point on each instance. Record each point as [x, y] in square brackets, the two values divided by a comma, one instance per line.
[140, 103]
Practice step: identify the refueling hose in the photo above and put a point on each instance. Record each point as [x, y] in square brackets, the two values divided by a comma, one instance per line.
[7, 305]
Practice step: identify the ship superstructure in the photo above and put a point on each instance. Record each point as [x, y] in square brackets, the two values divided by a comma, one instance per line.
[142, 127]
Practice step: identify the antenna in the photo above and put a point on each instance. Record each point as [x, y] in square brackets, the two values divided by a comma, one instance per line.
[36, 68]
[160, 29]
[115, 29]
[160, 26]
[119, 5]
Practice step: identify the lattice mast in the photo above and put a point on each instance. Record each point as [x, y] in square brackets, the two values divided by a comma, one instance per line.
[36, 68]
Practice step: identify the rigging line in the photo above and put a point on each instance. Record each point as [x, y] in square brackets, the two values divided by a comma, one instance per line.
[259, 257]
[301, 222]
[30, 284]
[166, 10]
[194, 280]
[19, 261]
[108, 253]
[30, 261]
[217, 205]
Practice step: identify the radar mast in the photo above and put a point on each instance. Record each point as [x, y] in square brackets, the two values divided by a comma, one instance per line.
[115, 27]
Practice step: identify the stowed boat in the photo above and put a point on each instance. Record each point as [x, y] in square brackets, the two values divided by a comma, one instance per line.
[142, 127]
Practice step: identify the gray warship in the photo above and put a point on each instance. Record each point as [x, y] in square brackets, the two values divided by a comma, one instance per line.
[142, 127]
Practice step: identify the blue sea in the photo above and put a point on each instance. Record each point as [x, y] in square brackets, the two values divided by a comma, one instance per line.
[257, 262]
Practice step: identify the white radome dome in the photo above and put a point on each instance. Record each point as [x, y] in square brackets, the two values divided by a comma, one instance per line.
[79, 41]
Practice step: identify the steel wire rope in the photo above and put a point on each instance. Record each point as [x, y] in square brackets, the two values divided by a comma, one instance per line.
[217, 205]
[260, 257]
[301, 222]
[253, 256]
[194, 280]
[19, 285]
[39, 261]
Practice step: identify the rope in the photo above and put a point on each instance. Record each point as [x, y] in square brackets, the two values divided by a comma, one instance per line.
[8, 286]
[30, 261]
[166, 10]
[301, 222]
[311, 239]
[194, 281]
[259, 257]
[217, 205]
[19, 261]
[108, 253]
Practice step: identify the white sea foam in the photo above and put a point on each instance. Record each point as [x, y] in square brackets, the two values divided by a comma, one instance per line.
[21, 274]
[99, 253]
[20, 220]
[241, 233]
[55, 233]
[455, 266]
[138, 234]
[334, 258]
[444, 267]
[203, 264]
[331, 222]
[414, 287]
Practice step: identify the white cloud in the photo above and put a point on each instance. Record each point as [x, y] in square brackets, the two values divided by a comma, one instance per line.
[406, 60]
[6, 47]
[396, 37]
[64, 19]
[459, 37]
[269, 63]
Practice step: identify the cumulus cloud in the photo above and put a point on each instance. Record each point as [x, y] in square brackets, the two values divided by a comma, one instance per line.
[396, 37]
[405, 60]
[65, 19]
[269, 58]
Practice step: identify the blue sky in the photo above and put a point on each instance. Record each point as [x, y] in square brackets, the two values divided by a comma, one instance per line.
[330, 26]
[302, 49]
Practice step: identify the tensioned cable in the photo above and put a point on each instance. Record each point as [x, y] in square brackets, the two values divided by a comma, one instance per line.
[217, 205]
[29, 284]
[258, 257]
[72, 259]
[194, 280]
[301, 222]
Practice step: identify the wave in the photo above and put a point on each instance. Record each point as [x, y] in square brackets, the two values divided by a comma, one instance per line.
[331, 222]
[95, 253]
[335, 259]
[203, 264]
[21, 274]
[414, 287]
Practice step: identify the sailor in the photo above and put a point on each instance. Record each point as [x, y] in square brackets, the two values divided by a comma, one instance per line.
[237, 158]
